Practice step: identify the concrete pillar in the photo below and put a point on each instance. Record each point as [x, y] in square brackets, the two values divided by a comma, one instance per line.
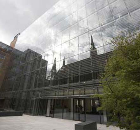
[105, 116]
[72, 105]
[48, 108]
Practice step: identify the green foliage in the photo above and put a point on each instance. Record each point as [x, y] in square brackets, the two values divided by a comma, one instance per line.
[121, 82]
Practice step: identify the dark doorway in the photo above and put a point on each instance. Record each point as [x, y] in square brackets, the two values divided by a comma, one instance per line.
[79, 109]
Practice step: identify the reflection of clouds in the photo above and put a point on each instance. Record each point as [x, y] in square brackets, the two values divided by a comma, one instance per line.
[64, 30]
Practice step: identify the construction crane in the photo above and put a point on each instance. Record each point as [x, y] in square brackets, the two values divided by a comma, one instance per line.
[13, 43]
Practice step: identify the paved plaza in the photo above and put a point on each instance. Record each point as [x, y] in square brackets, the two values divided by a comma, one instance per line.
[27, 122]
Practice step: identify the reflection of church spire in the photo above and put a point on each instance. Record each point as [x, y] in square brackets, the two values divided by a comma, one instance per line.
[64, 61]
[92, 43]
[53, 71]
[54, 65]
[93, 50]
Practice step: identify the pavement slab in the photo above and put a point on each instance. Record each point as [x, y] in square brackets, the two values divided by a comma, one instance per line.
[27, 122]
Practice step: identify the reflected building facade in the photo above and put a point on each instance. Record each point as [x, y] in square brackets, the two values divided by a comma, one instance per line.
[74, 37]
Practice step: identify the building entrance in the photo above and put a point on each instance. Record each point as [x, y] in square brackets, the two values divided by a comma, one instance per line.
[79, 110]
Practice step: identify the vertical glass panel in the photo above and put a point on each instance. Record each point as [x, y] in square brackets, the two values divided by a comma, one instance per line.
[57, 52]
[105, 15]
[101, 4]
[93, 21]
[84, 55]
[91, 7]
[73, 18]
[63, 3]
[108, 32]
[97, 38]
[132, 3]
[108, 47]
[65, 35]
[118, 8]
[80, 3]
[65, 50]
[50, 56]
[82, 13]
[111, 1]
[49, 70]
[84, 44]
[74, 7]
[125, 24]
[74, 31]
[68, 109]
[136, 17]
[58, 65]
[83, 27]
[73, 47]
[72, 59]
[58, 108]
[87, 1]
[100, 50]
[58, 39]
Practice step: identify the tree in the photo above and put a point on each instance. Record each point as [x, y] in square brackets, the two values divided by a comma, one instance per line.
[121, 83]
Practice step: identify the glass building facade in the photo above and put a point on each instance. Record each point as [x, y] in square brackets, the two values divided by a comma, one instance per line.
[65, 29]
[71, 43]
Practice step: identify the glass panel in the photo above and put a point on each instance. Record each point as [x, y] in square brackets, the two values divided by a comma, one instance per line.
[97, 38]
[93, 21]
[82, 13]
[132, 3]
[68, 109]
[108, 47]
[74, 7]
[108, 32]
[80, 3]
[83, 26]
[91, 111]
[84, 55]
[91, 8]
[87, 1]
[76, 110]
[74, 31]
[110, 1]
[100, 50]
[73, 18]
[49, 56]
[105, 15]
[65, 50]
[73, 47]
[136, 17]
[101, 4]
[84, 44]
[118, 8]
[72, 59]
[58, 108]
[65, 35]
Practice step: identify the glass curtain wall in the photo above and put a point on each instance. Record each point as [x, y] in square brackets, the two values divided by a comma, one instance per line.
[64, 31]
[62, 36]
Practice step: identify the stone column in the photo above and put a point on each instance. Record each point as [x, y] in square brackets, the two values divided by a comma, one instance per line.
[105, 116]
[48, 107]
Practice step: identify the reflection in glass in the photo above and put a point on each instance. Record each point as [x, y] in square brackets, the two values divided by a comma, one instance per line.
[97, 38]
[83, 27]
[82, 13]
[90, 7]
[101, 4]
[118, 8]
[93, 21]
[74, 47]
[105, 15]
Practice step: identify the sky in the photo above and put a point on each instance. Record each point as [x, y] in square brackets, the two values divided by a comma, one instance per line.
[17, 15]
